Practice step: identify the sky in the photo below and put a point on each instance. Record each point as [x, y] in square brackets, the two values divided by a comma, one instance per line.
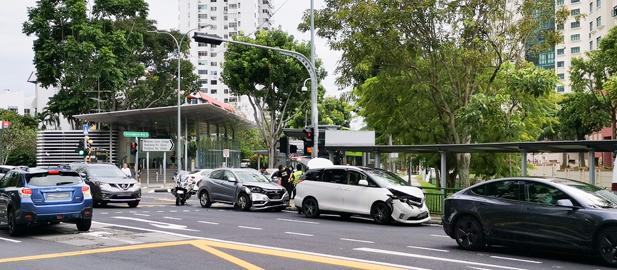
[16, 48]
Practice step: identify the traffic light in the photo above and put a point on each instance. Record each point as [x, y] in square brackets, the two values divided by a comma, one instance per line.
[133, 148]
[81, 149]
[308, 137]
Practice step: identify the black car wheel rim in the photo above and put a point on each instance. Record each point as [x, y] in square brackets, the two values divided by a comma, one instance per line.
[11, 222]
[467, 233]
[608, 247]
[380, 212]
[242, 201]
[310, 207]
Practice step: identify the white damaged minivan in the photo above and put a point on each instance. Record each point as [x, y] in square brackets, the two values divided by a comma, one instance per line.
[350, 190]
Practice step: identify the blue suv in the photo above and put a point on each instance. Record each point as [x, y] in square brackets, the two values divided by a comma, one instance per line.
[44, 196]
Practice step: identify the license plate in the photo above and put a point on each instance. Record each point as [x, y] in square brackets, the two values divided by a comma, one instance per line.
[58, 196]
[180, 191]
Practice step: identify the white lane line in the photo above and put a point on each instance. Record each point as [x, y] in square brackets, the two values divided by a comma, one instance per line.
[478, 268]
[297, 220]
[515, 259]
[412, 255]
[289, 211]
[431, 249]
[10, 240]
[250, 228]
[300, 234]
[261, 246]
[103, 213]
[440, 235]
[118, 212]
[173, 211]
[196, 210]
[172, 218]
[186, 211]
[145, 211]
[160, 211]
[208, 222]
[159, 224]
[356, 240]
[143, 215]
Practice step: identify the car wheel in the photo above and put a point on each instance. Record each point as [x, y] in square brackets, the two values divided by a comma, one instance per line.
[606, 245]
[310, 208]
[14, 228]
[133, 204]
[468, 233]
[83, 225]
[204, 199]
[380, 212]
[243, 202]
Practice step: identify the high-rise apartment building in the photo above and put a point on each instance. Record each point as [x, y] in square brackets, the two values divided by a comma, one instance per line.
[224, 18]
[588, 22]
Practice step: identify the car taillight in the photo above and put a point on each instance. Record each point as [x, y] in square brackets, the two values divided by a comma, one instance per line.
[25, 192]
[86, 191]
[53, 172]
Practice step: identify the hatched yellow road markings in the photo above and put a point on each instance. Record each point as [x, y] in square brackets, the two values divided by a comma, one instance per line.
[209, 246]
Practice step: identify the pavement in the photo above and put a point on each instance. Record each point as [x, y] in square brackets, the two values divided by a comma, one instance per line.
[160, 235]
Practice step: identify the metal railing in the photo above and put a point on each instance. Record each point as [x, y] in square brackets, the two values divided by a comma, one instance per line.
[435, 197]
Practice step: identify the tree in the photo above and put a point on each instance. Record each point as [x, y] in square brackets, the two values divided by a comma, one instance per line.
[594, 75]
[332, 111]
[106, 48]
[271, 81]
[18, 142]
[417, 66]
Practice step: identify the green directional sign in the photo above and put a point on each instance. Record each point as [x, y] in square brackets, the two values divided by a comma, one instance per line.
[136, 134]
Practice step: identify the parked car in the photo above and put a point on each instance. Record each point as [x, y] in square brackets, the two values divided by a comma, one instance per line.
[550, 212]
[36, 196]
[350, 190]
[109, 184]
[4, 169]
[244, 188]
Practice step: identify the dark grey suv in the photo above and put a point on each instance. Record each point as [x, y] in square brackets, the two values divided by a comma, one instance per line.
[244, 188]
[109, 184]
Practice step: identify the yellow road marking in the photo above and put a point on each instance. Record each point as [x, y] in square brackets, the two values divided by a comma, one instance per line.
[209, 246]
[242, 263]
[299, 256]
[94, 251]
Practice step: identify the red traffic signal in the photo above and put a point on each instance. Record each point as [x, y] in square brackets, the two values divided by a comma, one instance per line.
[308, 136]
[133, 148]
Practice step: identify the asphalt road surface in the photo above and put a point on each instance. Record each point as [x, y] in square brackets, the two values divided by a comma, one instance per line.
[160, 235]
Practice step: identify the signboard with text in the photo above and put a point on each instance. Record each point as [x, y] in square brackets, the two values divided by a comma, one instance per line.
[136, 134]
[156, 145]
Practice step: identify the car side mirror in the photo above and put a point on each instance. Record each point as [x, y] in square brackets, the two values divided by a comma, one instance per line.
[565, 203]
[83, 175]
[363, 183]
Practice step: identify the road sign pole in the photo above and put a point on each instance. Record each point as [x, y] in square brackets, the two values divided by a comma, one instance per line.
[164, 169]
[137, 160]
[148, 169]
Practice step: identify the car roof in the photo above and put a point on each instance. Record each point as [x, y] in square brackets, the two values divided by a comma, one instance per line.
[543, 179]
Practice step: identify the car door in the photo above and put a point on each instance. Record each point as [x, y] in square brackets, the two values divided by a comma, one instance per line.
[214, 185]
[546, 223]
[331, 189]
[358, 198]
[4, 199]
[228, 186]
[499, 208]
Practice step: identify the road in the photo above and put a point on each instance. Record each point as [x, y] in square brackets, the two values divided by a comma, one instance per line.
[160, 235]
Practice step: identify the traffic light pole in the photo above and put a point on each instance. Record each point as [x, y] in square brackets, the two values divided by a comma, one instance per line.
[216, 40]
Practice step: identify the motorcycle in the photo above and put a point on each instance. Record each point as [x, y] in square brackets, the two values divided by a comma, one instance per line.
[184, 189]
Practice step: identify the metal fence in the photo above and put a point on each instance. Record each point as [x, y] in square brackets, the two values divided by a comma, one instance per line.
[435, 196]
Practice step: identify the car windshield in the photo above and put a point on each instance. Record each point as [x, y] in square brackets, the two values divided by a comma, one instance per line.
[45, 179]
[249, 176]
[386, 178]
[106, 172]
[593, 195]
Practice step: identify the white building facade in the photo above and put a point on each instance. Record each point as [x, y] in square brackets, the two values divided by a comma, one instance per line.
[224, 18]
[589, 21]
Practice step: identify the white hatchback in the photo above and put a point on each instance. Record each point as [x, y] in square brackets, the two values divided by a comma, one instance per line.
[349, 190]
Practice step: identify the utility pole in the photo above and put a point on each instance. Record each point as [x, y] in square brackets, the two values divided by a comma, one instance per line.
[314, 112]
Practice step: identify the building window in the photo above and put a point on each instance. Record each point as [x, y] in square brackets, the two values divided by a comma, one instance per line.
[226, 91]
[233, 6]
[233, 99]
[614, 11]
[213, 64]
[212, 1]
[205, 90]
[575, 11]
[575, 37]
[27, 111]
[560, 26]
[560, 63]
[575, 50]
[13, 109]
[598, 3]
[202, 62]
[575, 24]
[598, 21]
[203, 6]
[213, 91]
[225, 18]
[203, 81]
[560, 51]
[226, 100]
[202, 53]
[212, 8]
[590, 26]
[203, 72]
[214, 72]
[213, 82]
[213, 18]
[213, 45]
[213, 54]
[561, 76]
[591, 45]
[560, 89]
[202, 44]
[598, 42]
[202, 16]
[560, 2]
[574, 1]
[542, 59]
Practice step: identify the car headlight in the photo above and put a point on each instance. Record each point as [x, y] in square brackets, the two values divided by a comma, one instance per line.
[255, 189]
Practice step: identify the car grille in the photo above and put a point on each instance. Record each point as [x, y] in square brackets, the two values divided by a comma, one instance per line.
[122, 186]
[419, 217]
[275, 194]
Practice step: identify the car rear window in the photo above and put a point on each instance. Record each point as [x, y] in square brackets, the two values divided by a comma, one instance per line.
[312, 175]
[46, 179]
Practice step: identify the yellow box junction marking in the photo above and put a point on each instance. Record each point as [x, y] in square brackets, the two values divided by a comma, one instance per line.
[209, 246]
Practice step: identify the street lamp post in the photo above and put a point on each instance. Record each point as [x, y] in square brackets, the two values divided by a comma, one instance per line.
[179, 120]
[216, 40]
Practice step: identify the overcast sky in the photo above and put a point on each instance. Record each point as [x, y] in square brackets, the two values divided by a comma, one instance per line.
[16, 48]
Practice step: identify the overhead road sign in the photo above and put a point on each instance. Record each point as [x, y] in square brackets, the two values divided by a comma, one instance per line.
[157, 145]
[136, 134]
